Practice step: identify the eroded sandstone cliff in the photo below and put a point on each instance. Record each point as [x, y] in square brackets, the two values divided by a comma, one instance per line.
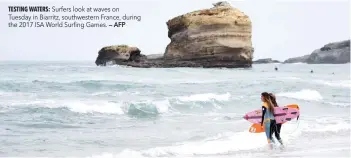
[215, 37]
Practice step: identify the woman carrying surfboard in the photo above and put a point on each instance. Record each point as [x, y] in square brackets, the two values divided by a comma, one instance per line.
[268, 116]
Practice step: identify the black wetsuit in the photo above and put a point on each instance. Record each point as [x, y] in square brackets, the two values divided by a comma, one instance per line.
[279, 126]
[277, 130]
[274, 127]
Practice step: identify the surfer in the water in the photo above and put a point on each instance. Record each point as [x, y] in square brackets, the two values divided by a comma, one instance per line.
[278, 125]
[268, 117]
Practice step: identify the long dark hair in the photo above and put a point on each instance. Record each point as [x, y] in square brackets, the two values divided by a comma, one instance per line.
[273, 99]
[267, 99]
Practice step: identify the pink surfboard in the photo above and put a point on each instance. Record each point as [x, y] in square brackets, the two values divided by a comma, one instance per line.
[281, 115]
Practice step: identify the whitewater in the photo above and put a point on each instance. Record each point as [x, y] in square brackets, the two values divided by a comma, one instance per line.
[76, 109]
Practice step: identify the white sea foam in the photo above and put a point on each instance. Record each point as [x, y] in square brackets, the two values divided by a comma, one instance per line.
[343, 105]
[106, 107]
[329, 124]
[227, 142]
[121, 107]
[162, 106]
[223, 143]
[305, 94]
[214, 145]
[341, 83]
[336, 127]
[78, 106]
[94, 106]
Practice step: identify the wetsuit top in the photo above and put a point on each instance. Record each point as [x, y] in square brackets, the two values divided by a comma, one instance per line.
[266, 114]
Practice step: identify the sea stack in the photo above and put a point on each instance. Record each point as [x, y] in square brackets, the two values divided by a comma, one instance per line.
[215, 37]
[119, 54]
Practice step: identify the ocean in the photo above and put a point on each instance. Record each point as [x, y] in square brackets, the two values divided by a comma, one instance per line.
[76, 109]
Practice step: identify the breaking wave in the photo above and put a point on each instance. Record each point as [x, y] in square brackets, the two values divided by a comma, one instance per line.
[305, 94]
[142, 108]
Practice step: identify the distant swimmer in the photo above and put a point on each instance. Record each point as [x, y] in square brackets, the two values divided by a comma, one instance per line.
[276, 69]
[311, 71]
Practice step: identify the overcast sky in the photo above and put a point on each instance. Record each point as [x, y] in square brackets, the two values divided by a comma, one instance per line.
[281, 29]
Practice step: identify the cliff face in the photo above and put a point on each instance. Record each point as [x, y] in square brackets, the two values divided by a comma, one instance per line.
[332, 53]
[215, 37]
[265, 61]
[301, 59]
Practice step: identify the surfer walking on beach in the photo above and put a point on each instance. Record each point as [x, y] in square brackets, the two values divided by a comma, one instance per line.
[268, 117]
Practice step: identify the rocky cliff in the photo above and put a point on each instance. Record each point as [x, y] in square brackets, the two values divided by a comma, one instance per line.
[332, 53]
[119, 54]
[215, 37]
[265, 61]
